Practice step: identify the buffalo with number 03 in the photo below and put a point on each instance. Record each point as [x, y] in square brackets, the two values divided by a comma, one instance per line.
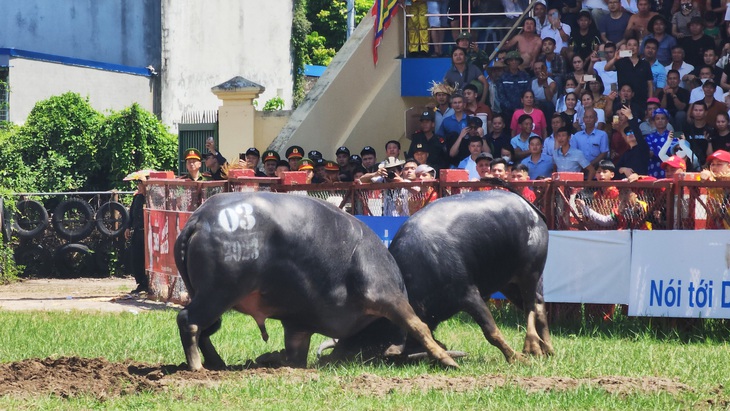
[292, 258]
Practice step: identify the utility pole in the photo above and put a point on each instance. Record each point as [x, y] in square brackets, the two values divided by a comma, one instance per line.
[350, 17]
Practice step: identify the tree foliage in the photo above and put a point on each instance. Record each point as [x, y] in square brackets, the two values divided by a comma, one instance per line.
[329, 19]
[319, 29]
[318, 54]
[57, 139]
[129, 140]
[299, 30]
[66, 145]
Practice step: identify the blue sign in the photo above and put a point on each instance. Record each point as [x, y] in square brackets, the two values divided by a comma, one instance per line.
[386, 227]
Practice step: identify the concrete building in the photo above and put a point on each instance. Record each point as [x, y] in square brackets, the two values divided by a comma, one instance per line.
[163, 54]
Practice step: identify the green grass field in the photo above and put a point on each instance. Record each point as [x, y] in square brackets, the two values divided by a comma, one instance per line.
[631, 349]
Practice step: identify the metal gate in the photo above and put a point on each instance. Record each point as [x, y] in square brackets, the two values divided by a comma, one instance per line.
[193, 130]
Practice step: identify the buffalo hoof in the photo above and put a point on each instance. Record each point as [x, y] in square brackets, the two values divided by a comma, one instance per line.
[547, 350]
[537, 348]
[272, 359]
[278, 359]
[214, 365]
[518, 357]
[532, 347]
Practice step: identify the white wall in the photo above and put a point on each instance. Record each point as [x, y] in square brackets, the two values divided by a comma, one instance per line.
[32, 81]
[205, 43]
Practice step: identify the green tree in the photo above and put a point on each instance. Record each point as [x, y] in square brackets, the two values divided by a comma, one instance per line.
[58, 141]
[317, 53]
[299, 29]
[329, 19]
[130, 140]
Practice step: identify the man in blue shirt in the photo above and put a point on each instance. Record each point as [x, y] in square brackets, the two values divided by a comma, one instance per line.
[451, 126]
[568, 159]
[658, 72]
[538, 163]
[592, 141]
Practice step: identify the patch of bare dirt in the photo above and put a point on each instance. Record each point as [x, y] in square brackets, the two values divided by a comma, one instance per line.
[369, 384]
[84, 294]
[73, 376]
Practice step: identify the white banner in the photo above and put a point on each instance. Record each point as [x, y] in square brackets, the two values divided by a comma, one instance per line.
[680, 274]
[588, 267]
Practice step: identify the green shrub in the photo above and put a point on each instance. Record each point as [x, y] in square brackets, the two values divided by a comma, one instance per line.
[130, 140]
[58, 141]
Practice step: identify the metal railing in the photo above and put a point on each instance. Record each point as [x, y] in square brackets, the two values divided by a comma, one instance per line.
[465, 17]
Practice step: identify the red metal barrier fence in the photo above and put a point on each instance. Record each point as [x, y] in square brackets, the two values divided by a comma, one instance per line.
[568, 205]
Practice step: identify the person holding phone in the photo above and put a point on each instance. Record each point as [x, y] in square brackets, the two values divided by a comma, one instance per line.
[635, 72]
[597, 66]
[635, 157]
[557, 30]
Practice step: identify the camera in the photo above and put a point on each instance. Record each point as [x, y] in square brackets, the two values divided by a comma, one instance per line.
[242, 156]
[391, 175]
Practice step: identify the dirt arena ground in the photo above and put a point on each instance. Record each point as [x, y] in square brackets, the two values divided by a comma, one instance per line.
[71, 376]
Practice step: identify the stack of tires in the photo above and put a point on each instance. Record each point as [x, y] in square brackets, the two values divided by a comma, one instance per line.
[83, 243]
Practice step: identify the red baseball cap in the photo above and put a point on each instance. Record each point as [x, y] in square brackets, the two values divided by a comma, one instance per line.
[676, 162]
[721, 155]
[654, 100]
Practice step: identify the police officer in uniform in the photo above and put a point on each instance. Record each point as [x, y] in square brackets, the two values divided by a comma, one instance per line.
[271, 159]
[193, 162]
[294, 154]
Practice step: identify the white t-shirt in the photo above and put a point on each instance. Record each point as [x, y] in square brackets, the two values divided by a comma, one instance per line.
[555, 34]
[697, 94]
[595, 4]
[630, 6]
[608, 77]
[684, 69]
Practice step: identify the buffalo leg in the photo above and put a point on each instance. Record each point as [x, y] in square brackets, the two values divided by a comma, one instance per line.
[192, 321]
[537, 337]
[401, 313]
[475, 306]
[213, 361]
[296, 345]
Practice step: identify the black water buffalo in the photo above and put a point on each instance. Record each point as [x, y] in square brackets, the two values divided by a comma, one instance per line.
[291, 258]
[461, 249]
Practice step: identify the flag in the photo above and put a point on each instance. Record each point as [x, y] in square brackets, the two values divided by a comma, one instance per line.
[383, 10]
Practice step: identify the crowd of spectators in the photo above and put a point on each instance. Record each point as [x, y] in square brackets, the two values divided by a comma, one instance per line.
[630, 81]
[613, 89]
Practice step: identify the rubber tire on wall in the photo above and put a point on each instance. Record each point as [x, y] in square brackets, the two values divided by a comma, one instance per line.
[81, 265]
[73, 233]
[36, 259]
[101, 221]
[40, 225]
